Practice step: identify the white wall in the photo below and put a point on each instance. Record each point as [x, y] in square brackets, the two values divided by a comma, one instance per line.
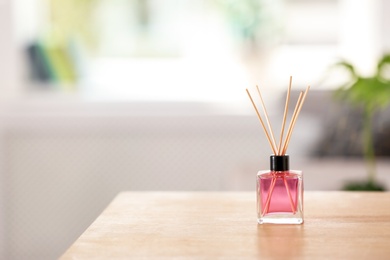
[9, 64]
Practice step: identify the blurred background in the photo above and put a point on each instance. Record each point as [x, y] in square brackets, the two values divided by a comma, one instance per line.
[101, 96]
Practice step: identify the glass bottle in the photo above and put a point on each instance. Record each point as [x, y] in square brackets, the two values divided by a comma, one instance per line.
[280, 193]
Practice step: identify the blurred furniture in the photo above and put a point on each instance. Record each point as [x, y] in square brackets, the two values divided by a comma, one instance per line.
[61, 163]
[211, 225]
[339, 126]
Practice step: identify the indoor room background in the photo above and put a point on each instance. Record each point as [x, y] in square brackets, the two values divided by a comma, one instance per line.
[102, 96]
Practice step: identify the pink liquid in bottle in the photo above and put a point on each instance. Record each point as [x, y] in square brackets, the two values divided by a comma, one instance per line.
[279, 190]
[280, 193]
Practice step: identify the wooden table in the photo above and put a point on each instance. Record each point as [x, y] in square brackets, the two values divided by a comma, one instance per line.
[215, 225]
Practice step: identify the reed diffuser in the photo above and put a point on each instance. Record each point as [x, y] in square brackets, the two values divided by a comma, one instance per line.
[279, 189]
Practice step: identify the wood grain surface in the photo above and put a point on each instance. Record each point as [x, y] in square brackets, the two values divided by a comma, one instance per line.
[222, 225]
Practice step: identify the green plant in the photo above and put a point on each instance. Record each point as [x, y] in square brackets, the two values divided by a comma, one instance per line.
[371, 94]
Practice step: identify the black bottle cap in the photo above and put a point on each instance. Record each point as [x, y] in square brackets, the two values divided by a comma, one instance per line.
[279, 163]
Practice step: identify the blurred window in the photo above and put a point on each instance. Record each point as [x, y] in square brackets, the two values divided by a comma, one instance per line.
[202, 50]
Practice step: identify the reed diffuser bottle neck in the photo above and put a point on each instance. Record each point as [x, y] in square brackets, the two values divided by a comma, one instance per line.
[279, 163]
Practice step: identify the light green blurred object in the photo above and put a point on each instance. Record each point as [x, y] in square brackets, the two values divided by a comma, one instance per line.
[72, 19]
[253, 21]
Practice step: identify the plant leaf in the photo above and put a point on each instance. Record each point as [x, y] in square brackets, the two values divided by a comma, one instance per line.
[382, 65]
[350, 68]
